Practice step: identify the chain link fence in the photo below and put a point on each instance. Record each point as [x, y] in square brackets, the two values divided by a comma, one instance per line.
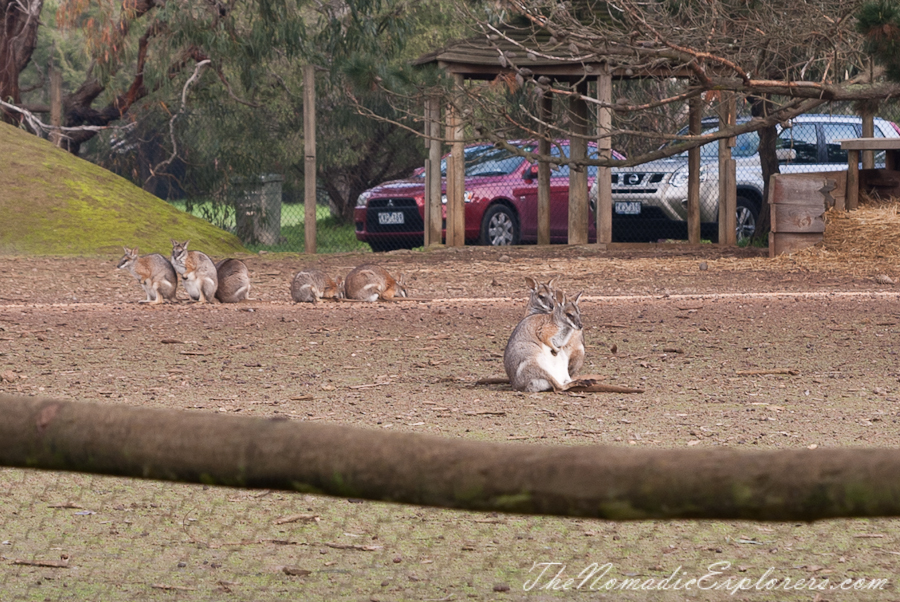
[266, 209]
[84, 537]
[649, 200]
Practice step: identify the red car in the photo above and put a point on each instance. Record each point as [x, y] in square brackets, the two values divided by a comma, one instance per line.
[500, 201]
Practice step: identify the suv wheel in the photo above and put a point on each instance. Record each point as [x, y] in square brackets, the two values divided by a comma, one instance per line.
[499, 227]
[747, 215]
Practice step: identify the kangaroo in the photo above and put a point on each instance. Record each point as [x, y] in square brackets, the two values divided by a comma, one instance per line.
[197, 271]
[154, 272]
[309, 286]
[233, 281]
[542, 301]
[372, 282]
[535, 358]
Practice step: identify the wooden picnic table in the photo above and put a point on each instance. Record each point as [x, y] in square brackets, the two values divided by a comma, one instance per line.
[853, 146]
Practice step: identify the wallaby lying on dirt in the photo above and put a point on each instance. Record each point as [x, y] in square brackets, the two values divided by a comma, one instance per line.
[233, 281]
[308, 286]
[372, 283]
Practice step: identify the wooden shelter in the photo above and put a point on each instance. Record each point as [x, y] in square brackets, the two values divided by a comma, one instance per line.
[499, 53]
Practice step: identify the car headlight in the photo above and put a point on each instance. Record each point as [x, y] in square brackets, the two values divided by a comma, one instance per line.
[467, 197]
[680, 177]
[363, 200]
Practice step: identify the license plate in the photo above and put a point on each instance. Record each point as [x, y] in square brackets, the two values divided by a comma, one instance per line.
[390, 218]
[628, 207]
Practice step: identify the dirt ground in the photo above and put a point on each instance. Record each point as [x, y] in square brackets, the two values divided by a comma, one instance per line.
[696, 328]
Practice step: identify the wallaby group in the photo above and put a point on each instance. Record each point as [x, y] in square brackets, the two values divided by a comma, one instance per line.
[367, 282]
[546, 349]
[228, 281]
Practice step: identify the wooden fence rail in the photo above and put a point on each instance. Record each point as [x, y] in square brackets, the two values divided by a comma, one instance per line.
[589, 481]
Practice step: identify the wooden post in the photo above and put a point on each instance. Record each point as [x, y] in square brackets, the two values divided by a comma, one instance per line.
[309, 162]
[543, 192]
[578, 188]
[433, 172]
[56, 104]
[868, 131]
[852, 182]
[456, 176]
[693, 200]
[727, 175]
[603, 213]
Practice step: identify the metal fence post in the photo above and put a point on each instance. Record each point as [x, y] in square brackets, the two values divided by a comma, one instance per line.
[309, 162]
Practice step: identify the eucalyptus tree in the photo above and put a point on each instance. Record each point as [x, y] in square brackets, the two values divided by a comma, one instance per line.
[187, 97]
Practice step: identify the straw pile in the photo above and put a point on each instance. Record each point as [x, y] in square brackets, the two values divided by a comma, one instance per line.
[871, 233]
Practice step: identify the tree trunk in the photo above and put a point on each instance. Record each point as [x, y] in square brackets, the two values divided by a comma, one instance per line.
[18, 38]
[768, 162]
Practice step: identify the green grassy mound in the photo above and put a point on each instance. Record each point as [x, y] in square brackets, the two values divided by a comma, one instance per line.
[53, 203]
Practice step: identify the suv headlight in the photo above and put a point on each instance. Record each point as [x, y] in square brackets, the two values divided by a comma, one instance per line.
[467, 197]
[680, 177]
[363, 200]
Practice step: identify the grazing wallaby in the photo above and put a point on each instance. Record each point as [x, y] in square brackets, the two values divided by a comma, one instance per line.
[372, 282]
[154, 272]
[197, 270]
[308, 286]
[535, 358]
[233, 281]
[541, 301]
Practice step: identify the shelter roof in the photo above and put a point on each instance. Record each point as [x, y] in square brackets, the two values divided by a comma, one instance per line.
[485, 56]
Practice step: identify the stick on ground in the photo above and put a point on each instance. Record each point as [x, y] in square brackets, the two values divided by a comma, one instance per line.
[587, 384]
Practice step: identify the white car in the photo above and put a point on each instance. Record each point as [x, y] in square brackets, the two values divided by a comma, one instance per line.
[650, 200]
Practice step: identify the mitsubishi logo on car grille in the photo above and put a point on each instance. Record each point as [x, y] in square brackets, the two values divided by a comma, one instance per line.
[390, 203]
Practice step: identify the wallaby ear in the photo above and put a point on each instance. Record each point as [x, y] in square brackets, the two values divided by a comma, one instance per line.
[134, 251]
[531, 283]
[577, 297]
[560, 297]
[174, 242]
[552, 281]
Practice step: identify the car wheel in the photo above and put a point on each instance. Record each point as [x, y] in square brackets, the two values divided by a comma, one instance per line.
[747, 216]
[499, 227]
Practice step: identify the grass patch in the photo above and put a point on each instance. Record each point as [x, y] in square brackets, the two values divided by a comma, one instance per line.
[54, 203]
[331, 235]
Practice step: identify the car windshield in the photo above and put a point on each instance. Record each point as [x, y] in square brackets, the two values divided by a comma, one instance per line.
[746, 145]
[490, 161]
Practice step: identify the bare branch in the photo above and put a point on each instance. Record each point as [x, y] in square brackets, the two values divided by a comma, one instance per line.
[38, 127]
[198, 71]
